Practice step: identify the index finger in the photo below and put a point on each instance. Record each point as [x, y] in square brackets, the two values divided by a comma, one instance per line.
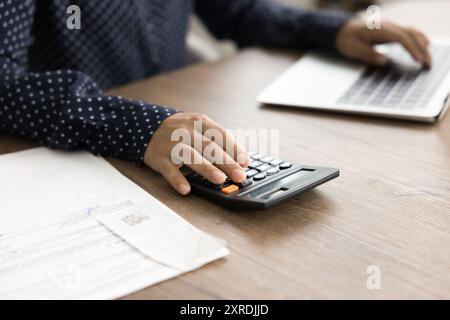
[227, 142]
[393, 33]
[423, 42]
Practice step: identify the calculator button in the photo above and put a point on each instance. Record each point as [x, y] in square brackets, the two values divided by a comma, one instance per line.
[254, 164]
[276, 162]
[208, 184]
[272, 171]
[230, 189]
[267, 159]
[251, 173]
[263, 168]
[259, 176]
[257, 156]
[195, 176]
[246, 183]
[223, 185]
[285, 165]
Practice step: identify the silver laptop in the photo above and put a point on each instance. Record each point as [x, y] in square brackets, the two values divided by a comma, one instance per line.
[403, 89]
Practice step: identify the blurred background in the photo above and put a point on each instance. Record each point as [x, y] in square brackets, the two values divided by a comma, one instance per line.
[203, 47]
[341, 4]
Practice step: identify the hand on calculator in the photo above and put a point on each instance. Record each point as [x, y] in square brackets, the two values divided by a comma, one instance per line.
[158, 155]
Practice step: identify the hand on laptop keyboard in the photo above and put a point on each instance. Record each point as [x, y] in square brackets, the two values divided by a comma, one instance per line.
[399, 84]
[355, 40]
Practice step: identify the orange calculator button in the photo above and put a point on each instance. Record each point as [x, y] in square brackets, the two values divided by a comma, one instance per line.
[230, 189]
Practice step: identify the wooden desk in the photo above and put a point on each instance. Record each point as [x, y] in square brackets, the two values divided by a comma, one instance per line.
[390, 207]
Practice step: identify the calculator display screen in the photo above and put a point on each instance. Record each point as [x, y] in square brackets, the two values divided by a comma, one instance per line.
[278, 186]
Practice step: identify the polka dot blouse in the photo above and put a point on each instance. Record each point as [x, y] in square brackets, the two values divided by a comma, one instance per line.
[52, 77]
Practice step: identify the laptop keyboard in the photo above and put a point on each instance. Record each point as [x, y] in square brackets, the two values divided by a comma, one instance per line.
[399, 85]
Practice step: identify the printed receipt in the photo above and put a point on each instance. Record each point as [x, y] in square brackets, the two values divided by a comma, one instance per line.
[52, 245]
[164, 236]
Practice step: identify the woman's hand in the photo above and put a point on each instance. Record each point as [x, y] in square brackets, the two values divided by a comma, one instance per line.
[356, 41]
[198, 152]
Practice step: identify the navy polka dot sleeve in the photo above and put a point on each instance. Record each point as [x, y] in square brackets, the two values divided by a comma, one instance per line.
[270, 23]
[65, 109]
[52, 77]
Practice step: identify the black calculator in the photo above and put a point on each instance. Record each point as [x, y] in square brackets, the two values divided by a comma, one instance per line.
[269, 181]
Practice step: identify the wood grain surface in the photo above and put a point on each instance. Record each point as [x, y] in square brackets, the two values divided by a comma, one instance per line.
[390, 207]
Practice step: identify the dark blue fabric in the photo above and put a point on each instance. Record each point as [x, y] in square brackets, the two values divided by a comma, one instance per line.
[52, 78]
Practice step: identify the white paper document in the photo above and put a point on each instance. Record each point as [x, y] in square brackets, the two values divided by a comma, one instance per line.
[73, 227]
[163, 236]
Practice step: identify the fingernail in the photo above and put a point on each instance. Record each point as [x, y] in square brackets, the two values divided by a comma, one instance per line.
[238, 175]
[243, 159]
[184, 189]
[218, 177]
[420, 58]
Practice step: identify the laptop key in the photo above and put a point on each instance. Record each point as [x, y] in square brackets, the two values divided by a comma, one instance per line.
[398, 85]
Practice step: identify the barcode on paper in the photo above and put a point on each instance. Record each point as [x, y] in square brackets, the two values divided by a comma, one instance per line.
[135, 218]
